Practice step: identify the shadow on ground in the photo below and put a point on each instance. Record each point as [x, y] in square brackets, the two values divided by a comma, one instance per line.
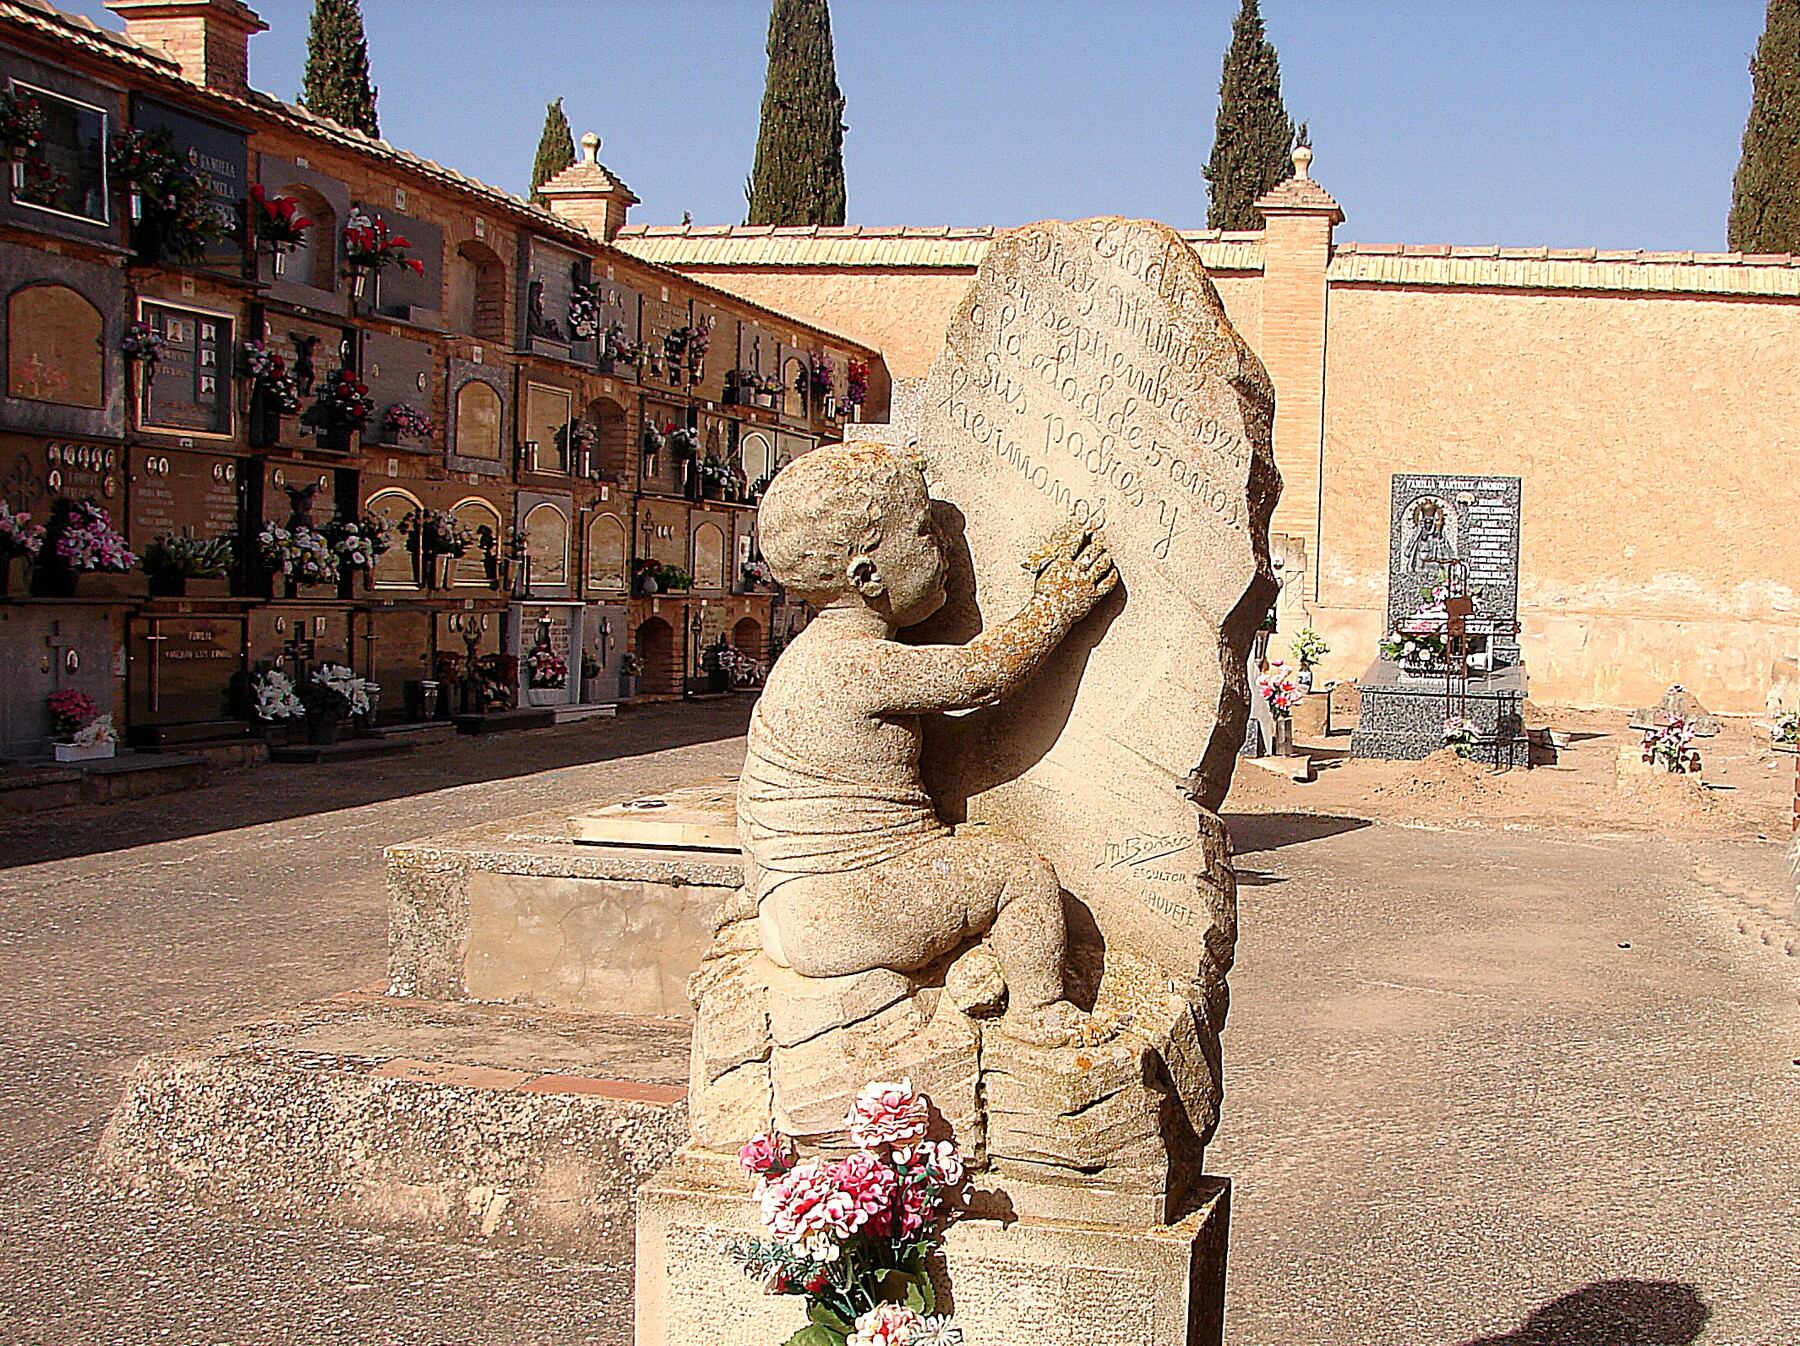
[269, 793]
[1252, 832]
[1613, 1313]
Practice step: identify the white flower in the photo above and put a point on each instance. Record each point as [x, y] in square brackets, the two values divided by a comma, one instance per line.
[937, 1330]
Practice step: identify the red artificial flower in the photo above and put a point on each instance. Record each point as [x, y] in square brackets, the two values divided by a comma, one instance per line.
[417, 266]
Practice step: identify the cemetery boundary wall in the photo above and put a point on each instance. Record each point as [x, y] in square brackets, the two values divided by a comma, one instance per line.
[1649, 401]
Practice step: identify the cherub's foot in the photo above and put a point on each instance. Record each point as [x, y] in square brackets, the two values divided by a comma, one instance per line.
[1056, 1025]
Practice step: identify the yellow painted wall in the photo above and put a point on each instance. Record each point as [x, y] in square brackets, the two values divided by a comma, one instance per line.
[1658, 439]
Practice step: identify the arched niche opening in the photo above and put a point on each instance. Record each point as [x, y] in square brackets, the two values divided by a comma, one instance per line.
[606, 554]
[398, 567]
[547, 544]
[55, 347]
[478, 421]
[709, 557]
[314, 261]
[479, 566]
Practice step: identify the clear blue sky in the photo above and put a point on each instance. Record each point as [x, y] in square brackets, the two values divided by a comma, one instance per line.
[1572, 123]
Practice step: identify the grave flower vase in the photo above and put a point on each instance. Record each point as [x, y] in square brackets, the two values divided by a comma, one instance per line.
[164, 585]
[1284, 736]
[323, 729]
[627, 686]
[84, 752]
[546, 696]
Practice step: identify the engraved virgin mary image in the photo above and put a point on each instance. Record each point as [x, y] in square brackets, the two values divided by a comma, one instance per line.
[1430, 537]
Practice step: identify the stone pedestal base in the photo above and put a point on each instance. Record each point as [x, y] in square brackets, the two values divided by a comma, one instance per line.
[1021, 1283]
[1402, 716]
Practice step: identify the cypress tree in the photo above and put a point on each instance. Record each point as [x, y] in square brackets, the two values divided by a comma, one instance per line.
[556, 147]
[1253, 139]
[1765, 195]
[799, 172]
[337, 66]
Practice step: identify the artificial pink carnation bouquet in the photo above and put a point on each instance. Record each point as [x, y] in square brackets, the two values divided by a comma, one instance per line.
[852, 1236]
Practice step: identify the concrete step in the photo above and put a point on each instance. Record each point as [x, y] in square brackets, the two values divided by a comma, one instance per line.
[502, 721]
[477, 1123]
[32, 787]
[342, 750]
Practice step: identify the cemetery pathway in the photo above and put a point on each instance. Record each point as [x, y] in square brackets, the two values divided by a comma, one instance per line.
[165, 920]
[1512, 1087]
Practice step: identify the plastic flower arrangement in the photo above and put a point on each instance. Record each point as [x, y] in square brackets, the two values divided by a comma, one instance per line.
[1413, 648]
[97, 730]
[757, 572]
[80, 536]
[1786, 728]
[275, 696]
[335, 690]
[620, 349]
[404, 419]
[19, 536]
[856, 382]
[1278, 688]
[177, 555]
[142, 342]
[69, 710]
[819, 375]
[280, 227]
[699, 342]
[170, 193]
[683, 439]
[344, 400]
[740, 667]
[585, 301]
[1309, 648]
[1460, 735]
[1671, 746]
[299, 553]
[438, 532]
[852, 1237]
[21, 123]
[547, 668]
[43, 183]
[369, 245]
[358, 543]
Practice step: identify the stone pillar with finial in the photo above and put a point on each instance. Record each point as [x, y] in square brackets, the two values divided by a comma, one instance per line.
[587, 195]
[1298, 219]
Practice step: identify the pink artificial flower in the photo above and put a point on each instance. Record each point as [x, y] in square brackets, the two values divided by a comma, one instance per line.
[764, 1155]
[916, 1208]
[887, 1115]
[804, 1209]
[869, 1184]
[885, 1325]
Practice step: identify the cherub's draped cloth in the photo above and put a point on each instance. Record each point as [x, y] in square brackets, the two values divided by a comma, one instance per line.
[797, 816]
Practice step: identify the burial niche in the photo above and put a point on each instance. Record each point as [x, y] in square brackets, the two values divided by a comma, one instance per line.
[606, 554]
[709, 557]
[55, 347]
[547, 543]
[477, 421]
[656, 656]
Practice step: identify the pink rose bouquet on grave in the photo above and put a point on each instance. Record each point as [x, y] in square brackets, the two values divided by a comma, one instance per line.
[852, 1236]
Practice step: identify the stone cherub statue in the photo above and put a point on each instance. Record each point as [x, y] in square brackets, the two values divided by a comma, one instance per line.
[847, 862]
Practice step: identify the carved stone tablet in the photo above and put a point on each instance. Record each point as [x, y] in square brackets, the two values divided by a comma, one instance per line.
[1091, 373]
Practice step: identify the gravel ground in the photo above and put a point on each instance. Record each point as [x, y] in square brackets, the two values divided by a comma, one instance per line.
[1522, 1086]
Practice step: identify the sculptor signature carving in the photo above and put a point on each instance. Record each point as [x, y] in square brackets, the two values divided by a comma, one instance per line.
[848, 863]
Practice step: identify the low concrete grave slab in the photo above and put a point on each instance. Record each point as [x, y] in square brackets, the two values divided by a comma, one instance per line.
[469, 1122]
[521, 912]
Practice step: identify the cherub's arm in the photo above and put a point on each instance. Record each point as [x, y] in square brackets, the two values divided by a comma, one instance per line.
[911, 679]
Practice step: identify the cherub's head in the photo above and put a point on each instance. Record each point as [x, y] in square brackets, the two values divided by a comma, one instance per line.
[853, 521]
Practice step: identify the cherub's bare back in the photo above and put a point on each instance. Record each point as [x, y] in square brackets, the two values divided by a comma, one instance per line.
[828, 784]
